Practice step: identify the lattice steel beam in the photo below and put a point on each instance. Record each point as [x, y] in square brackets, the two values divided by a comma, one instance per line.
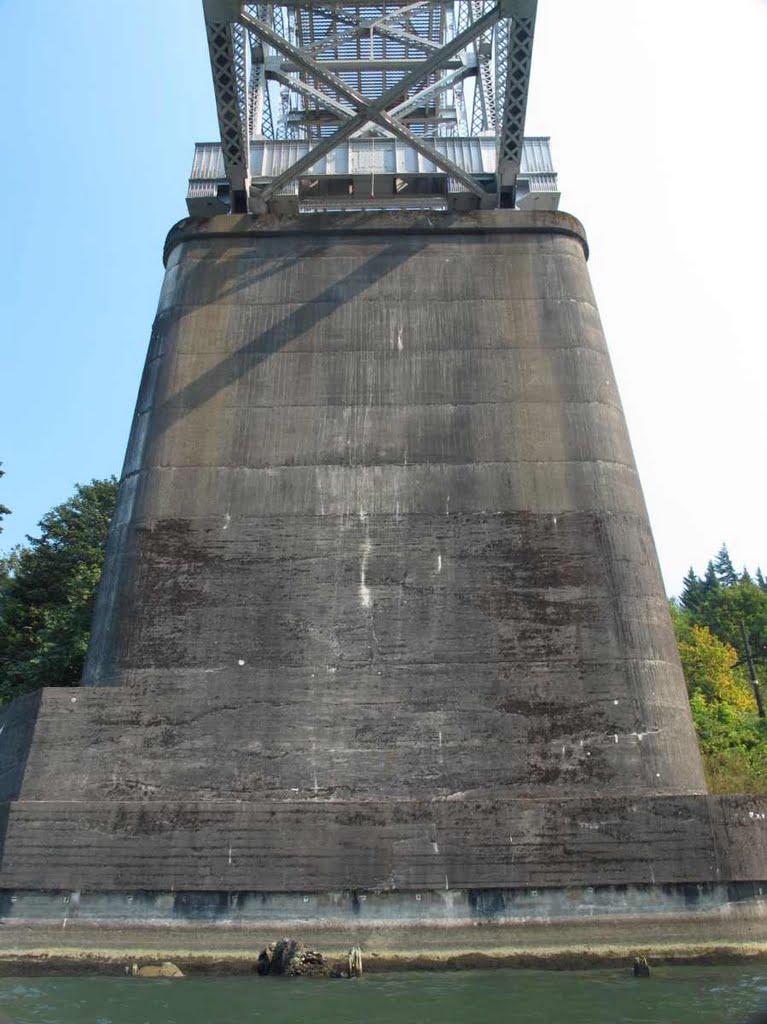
[342, 65]
[514, 78]
[229, 50]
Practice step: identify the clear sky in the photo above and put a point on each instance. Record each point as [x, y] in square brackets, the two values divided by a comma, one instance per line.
[658, 115]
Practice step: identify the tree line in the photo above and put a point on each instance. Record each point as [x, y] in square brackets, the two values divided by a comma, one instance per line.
[47, 590]
[720, 620]
[48, 587]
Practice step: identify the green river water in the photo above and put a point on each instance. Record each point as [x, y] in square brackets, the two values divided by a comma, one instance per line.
[682, 995]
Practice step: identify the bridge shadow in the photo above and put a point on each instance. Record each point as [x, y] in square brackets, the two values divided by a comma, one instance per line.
[302, 320]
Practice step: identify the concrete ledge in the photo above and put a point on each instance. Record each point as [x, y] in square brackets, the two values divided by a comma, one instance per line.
[389, 849]
[399, 223]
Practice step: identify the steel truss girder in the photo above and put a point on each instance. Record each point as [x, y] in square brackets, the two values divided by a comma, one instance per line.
[380, 25]
[374, 111]
[253, 44]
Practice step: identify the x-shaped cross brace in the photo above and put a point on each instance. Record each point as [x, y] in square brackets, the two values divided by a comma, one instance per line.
[368, 110]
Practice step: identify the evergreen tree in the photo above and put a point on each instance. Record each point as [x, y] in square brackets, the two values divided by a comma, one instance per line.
[724, 569]
[760, 580]
[710, 580]
[692, 591]
[47, 589]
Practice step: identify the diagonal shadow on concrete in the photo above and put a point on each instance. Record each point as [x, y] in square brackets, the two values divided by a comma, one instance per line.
[299, 321]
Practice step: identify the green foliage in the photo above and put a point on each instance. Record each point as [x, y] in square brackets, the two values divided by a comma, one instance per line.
[724, 569]
[47, 590]
[733, 745]
[710, 621]
[709, 669]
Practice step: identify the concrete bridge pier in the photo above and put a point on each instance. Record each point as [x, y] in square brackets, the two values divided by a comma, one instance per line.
[381, 652]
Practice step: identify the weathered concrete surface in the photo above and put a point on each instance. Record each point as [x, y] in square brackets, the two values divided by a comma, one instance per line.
[487, 842]
[382, 615]
[380, 519]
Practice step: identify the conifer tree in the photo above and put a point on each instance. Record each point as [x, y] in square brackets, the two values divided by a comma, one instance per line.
[692, 591]
[725, 570]
[47, 590]
[710, 580]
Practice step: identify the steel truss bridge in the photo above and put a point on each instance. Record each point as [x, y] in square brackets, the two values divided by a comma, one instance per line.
[330, 105]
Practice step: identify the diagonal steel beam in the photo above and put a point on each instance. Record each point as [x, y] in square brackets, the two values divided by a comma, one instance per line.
[434, 89]
[380, 117]
[375, 110]
[309, 90]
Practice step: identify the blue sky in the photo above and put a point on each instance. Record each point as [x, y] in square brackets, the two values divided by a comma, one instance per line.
[101, 105]
[657, 113]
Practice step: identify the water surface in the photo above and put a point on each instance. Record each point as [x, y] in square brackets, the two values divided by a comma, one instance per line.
[677, 995]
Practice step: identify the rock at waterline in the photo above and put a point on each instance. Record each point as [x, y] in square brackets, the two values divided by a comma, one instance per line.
[164, 970]
[641, 967]
[289, 957]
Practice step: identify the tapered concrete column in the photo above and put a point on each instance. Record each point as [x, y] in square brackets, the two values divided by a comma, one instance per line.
[380, 515]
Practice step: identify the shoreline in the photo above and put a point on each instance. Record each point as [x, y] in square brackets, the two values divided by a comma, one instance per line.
[116, 961]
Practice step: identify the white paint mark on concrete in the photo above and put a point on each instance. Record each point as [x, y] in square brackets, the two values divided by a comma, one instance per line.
[363, 590]
[641, 735]
[316, 787]
[227, 521]
[435, 847]
[230, 857]
[447, 884]
[554, 518]
[447, 505]
[616, 737]
[616, 702]
[439, 563]
[399, 340]
[240, 661]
